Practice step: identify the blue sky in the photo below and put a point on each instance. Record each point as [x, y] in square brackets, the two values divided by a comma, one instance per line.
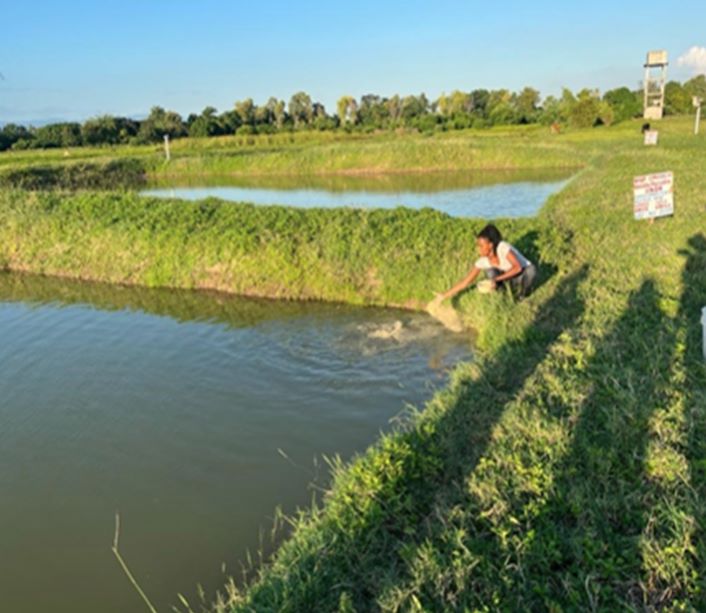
[74, 60]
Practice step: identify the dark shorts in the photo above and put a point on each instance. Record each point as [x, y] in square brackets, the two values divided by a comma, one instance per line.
[520, 284]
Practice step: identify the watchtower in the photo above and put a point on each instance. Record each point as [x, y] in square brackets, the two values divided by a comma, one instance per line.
[655, 80]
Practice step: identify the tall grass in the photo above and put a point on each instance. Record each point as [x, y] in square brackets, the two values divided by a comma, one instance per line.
[113, 174]
[385, 257]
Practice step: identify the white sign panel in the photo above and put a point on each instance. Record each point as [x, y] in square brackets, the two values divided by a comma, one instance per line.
[656, 58]
[654, 195]
[651, 137]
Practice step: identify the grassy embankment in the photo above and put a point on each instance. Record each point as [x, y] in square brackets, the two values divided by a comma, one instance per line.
[367, 257]
[302, 154]
[394, 257]
[565, 469]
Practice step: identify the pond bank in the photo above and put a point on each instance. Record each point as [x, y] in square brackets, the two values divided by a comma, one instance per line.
[397, 257]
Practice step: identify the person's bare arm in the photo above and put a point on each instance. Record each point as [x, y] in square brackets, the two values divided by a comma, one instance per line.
[462, 284]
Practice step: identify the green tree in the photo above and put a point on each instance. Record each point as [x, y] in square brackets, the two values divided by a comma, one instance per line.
[272, 113]
[567, 102]
[65, 134]
[394, 109]
[160, 123]
[372, 111]
[101, 130]
[245, 109]
[606, 114]
[500, 108]
[301, 109]
[13, 133]
[206, 124]
[347, 109]
[696, 86]
[586, 110]
[280, 113]
[526, 105]
[414, 107]
[550, 112]
[321, 120]
[625, 104]
[230, 122]
[677, 100]
[479, 99]
[456, 103]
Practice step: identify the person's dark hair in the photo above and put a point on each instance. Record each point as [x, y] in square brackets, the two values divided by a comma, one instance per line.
[492, 234]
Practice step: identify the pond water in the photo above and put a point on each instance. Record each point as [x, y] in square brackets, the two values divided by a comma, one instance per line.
[468, 194]
[194, 415]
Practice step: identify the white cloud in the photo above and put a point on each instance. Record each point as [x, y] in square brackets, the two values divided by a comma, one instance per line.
[694, 58]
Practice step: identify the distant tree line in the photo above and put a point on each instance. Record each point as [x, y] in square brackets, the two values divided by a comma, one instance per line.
[479, 108]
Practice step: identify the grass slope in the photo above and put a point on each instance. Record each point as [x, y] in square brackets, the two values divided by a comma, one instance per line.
[384, 257]
[308, 153]
[566, 469]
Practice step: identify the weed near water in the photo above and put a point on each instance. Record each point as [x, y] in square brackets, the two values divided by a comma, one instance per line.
[113, 174]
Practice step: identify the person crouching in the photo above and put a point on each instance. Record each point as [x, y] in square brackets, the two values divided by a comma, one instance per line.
[502, 263]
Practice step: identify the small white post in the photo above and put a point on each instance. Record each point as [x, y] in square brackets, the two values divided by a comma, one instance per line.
[698, 120]
[167, 153]
[697, 103]
[703, 325]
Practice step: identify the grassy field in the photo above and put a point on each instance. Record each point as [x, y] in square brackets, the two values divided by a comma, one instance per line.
[314, 154]
[565, 469]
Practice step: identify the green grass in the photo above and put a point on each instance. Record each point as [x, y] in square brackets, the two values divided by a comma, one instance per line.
[565, 469]
[120, 173]
[383, 257]
[312, 153]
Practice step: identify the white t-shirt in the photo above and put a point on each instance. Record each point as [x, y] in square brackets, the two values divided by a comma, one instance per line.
[503, 262]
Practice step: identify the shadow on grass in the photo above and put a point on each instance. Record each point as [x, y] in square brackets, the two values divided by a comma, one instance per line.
[585, 546]
[575, 542]
[623, 526]
[693, 300]
[367, 529]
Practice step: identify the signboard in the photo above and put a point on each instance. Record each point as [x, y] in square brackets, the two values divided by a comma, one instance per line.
[654, 195]
[656, 58]
[651, 137]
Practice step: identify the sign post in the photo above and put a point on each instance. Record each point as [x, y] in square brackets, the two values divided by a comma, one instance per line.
[651, 137]
[653, 195]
